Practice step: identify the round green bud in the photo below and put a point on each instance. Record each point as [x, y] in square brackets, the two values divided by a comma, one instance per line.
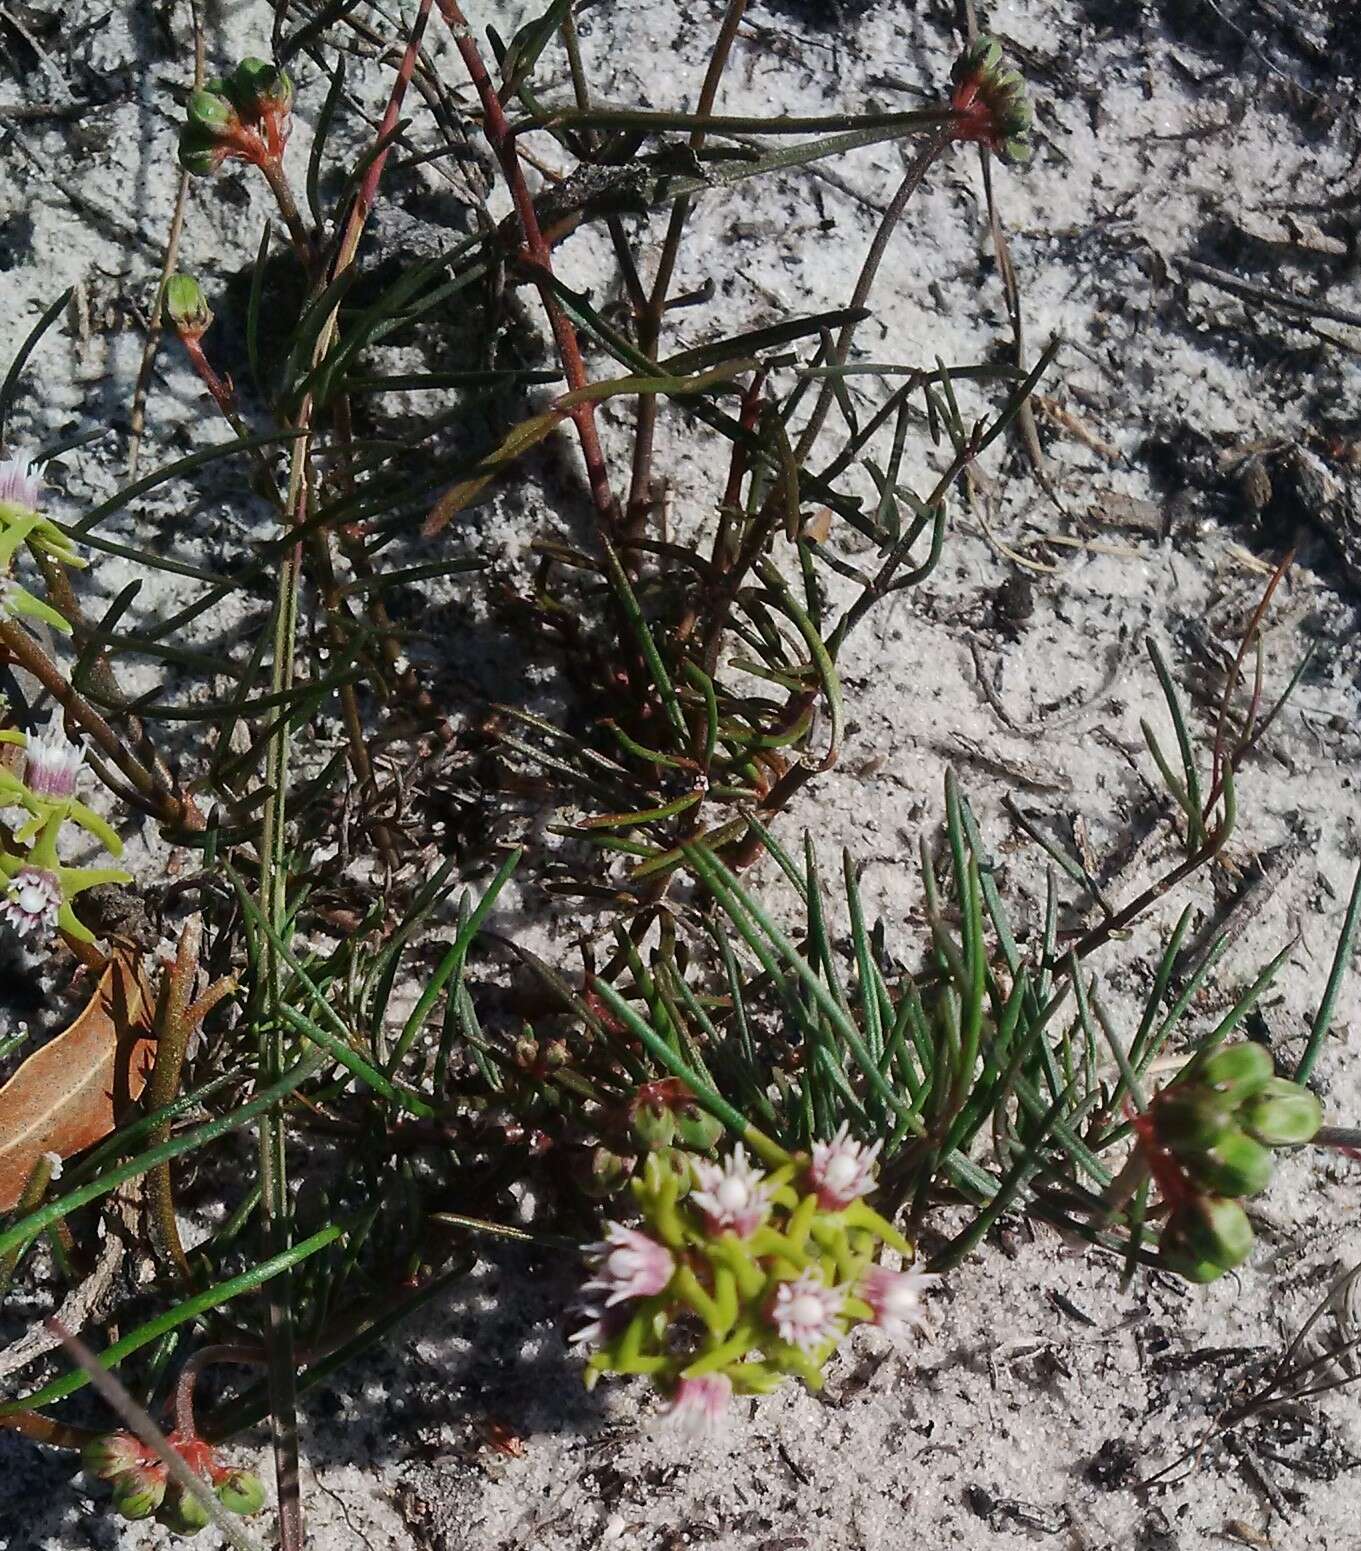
[257, 86]
[654, 1126]
[1207, 1231]
[1234, 1166]
[1238, 1071]
[1283, 1114]
[183, 1514]
[698, 1130]
[210, 112]
[981, 57]
[139, 1493]
[184, 302]
[241, 1492]
[1190, 1116]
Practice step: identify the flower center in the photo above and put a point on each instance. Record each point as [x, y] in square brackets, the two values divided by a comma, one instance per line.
[732, 1195]
[806, 1310]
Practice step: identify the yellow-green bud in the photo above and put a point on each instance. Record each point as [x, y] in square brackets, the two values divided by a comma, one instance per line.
[139, 1493]
[654, 1125]
[1283, 1114]
[241, 1492]
[185, 303]
[698, 1130]
[183, 1514]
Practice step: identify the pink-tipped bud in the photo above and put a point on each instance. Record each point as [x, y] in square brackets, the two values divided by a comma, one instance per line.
[51, 764]
[842, 1170]
[805, 1311]
[628, 1264]
[734, 1196]
[112, 1455]
[699, 1405]
[19, 485]
[31, 902]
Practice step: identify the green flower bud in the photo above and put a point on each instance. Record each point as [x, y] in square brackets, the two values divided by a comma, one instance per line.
[698, 1130]
[1234, 1166]
[257, 86]
[139, 1493]
[981, 58]
[210, 112]
[199, 151]
[653, 1125]
[183, 1514]
[184, 301]
[240, 1492]
[1238, 1071]
[1283, 1114]
[1191, 1116]
[1206, 1237]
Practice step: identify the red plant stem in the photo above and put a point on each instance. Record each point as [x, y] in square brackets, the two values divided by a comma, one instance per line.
[245, 1356]
[219, 387]
[368, 189]
[538, 262]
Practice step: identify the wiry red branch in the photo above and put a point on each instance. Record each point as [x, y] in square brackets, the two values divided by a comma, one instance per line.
[537, 261]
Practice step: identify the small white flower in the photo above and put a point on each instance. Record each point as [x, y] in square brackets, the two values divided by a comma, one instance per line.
[805, 1311]
[628, 1264]
[31, 902]
[19, 484]
[842, 1170]
[733, 1195]
[896, 1298]
[53, 1162]
[698, 1405]
[52, 763]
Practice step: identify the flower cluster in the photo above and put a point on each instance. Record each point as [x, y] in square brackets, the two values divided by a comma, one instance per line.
[22, 523]
[38, 886]
[990, 103]
[142, 1485]
[1207, 1139]
[741, 1276]
[245, 116]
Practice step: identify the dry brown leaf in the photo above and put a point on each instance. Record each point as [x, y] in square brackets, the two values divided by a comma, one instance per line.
[75, 1089]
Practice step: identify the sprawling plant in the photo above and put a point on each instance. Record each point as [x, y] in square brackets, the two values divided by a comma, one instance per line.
[774, 1122]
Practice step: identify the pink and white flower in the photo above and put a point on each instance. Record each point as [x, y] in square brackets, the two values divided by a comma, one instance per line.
[51, 764]
[698, 1405]
[19, 485]
[896, 1298]
[628, 1264]
[805, 1311]
[842, 1170]
[31, 902]
[734, 1195]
